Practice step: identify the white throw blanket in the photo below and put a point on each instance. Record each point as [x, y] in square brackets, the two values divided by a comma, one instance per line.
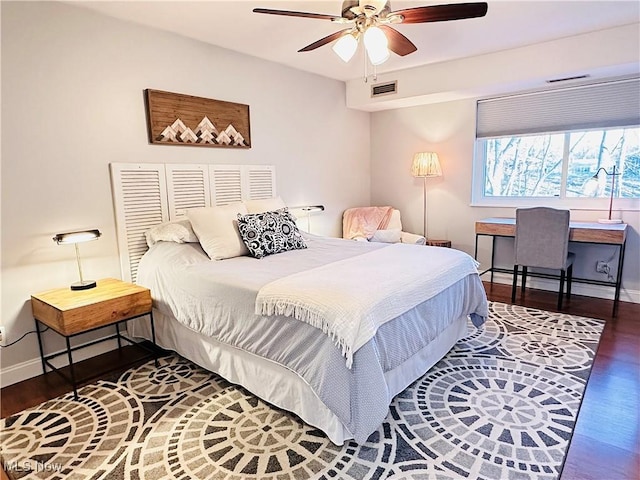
[350, 299]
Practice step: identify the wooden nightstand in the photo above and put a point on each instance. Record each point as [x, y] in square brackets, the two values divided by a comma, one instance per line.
[74, 312]
[439, 243]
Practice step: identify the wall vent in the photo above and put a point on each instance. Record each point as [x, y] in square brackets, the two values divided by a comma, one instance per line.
[566, 79]
[384, 89]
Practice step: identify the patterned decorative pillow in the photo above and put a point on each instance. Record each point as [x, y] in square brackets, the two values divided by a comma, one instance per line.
[268, 233]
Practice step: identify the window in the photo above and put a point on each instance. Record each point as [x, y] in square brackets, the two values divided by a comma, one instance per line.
[534, 165]
[560, 147]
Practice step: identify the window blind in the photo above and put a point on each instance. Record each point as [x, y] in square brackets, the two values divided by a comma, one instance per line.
[600, 105]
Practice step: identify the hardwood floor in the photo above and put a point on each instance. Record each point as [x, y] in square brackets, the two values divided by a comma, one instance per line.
[36, 390]
[606, 441]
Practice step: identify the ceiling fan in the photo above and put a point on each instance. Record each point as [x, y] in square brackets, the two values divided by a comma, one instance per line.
[372, 20]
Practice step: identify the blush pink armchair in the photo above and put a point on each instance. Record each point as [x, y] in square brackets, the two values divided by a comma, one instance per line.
[377, 224]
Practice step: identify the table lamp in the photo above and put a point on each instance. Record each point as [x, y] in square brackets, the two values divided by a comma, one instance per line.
[308, 209]
[76, 238]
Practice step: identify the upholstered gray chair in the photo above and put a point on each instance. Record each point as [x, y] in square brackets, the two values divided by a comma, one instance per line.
[542, 241]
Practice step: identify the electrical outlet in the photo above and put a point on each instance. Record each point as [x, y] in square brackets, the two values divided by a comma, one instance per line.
[2, 339]
[602, 267]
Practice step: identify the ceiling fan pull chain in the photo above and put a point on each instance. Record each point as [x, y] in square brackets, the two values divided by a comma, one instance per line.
[366, 65]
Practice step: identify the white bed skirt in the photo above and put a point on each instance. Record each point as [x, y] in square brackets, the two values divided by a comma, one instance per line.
[285, 388]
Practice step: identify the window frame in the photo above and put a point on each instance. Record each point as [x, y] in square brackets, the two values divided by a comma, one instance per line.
[478, 198]
[601, 104]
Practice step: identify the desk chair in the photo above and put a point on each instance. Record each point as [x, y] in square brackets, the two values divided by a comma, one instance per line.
[542, 241]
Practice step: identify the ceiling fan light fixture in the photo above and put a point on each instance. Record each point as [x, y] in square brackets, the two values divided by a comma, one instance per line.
[377, 45]
[346, 47]
[372, 20]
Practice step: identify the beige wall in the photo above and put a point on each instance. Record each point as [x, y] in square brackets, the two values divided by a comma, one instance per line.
[449, 129]
[72, 102]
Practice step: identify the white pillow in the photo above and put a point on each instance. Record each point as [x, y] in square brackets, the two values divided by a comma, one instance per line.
[391, 235]
[217, 230]
[178, 231]
[264, 205]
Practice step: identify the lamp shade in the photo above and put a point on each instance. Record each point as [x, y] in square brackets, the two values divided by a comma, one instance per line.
[377, 45]
[426, 164]
[346, 47]
[312, 208]
[76, 237]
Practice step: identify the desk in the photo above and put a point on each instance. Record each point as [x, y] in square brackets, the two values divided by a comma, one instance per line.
[580, 232]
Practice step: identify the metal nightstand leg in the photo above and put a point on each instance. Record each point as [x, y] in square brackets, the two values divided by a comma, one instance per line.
[119, 335]
[153, 338]
[39, 334]
[71, 378]
[71, 369]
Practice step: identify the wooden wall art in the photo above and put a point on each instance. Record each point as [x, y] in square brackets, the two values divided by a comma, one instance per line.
[175, 119]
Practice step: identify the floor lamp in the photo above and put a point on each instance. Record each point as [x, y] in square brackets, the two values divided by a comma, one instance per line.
[425, 165]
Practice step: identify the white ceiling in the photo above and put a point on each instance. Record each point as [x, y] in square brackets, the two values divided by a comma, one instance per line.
[233, 25]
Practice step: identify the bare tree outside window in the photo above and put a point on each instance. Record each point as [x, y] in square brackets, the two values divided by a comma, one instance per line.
[532, 165]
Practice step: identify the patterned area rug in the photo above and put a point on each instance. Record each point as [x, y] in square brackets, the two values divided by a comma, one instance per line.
[501, 405]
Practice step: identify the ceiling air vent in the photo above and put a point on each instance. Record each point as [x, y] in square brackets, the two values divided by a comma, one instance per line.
[566, 79]
[384, 89]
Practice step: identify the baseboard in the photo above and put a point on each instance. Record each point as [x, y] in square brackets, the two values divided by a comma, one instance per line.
[586, 289]
[33, 368]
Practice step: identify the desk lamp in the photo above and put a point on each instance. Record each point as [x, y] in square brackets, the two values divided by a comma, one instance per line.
[75, 238]
[308, 209]
[591, 188]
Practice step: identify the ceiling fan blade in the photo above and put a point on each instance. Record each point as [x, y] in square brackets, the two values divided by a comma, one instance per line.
[288, 13]
[443, 13]
[398, 43]
[324, 41]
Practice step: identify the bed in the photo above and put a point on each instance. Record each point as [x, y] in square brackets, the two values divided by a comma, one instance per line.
[232, 317]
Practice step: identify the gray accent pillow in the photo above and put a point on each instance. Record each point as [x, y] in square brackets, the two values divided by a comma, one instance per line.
[179, 231]
[392, 235]
[268, 233]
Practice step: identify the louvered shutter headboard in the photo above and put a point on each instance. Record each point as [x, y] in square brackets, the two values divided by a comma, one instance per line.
[187, 187]
[140, 202]
[145, 195]
[260, 182]
[226, 184]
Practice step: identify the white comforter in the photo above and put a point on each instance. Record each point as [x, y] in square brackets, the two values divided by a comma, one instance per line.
[351, 298]
[217, 299]
[196, 289]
